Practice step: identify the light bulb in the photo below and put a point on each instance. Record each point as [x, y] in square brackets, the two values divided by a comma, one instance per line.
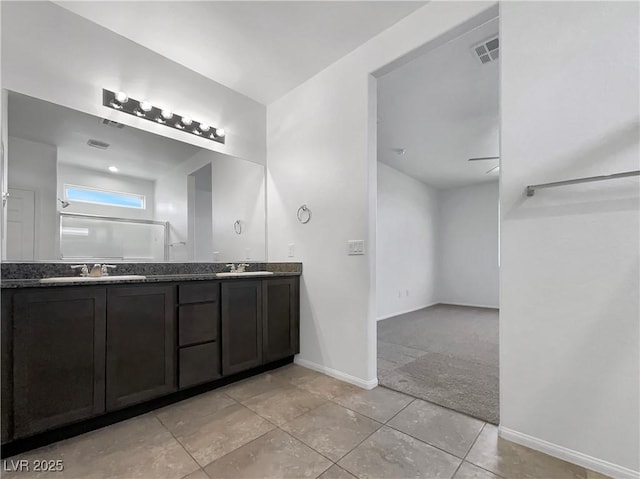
[204, 127]
[145, 106]
[167, 114]
[113, 169]
[186, 121]
[220, 132]
[121, 97]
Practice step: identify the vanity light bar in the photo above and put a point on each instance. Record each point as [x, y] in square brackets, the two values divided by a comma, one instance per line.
[143, 109]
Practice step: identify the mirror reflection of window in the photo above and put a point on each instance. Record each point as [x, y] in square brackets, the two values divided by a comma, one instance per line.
[88, 188]
[96, 196]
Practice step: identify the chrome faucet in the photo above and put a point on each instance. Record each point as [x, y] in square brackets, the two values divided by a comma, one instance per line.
[104, 270]
[233, 268]
[84, 271]
[241, 267]
[96, 271]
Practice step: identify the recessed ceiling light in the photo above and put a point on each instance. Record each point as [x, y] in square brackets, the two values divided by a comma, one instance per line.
[113, 169]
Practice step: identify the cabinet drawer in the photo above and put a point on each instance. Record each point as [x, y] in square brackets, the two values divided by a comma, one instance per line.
[197, 323]
[198, 292]
[199, 364]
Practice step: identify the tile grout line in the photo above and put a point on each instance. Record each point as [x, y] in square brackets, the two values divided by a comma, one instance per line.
[373, 418]
[243, 445]
[308, 446]
[393, 417]
[473, 464]
[424, 442]
[474, 441]
[180, 443]
[326, 401]
[208, 464]
[468, 450]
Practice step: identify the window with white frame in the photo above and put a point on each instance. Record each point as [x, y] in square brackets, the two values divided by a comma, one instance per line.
[96, 196]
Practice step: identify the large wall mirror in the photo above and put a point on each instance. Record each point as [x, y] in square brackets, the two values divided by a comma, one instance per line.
[83, 188]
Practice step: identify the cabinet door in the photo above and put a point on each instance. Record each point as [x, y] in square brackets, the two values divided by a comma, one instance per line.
[6, 365]
[241, 326]
[58, 357]
[141, 345]
[198, 364]
[281, 318]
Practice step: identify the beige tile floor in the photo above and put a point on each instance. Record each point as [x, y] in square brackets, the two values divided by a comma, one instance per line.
[296, 423]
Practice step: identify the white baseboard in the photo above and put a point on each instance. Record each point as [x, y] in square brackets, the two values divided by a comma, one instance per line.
[451, 303]
[569, 455]
[334, 373]
[405, 312]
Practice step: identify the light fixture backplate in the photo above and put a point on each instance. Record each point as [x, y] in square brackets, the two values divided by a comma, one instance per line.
[132, 107]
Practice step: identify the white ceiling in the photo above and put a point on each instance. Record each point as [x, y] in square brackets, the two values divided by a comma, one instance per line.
[135, 152]
[443, 108]
[262, 49]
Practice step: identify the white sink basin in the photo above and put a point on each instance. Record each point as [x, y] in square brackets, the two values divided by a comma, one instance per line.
[90, 279]
[246, 273]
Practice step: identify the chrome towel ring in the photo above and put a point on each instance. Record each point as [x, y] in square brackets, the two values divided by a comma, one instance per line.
[237, 227]
[304, 214]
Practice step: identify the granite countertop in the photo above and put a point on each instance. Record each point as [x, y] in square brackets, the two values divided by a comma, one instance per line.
[160, 278]
[28, 275]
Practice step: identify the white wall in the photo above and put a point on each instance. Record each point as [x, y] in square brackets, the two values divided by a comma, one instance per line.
[322, 152]
[569, 319]
[55, 55]
[74, 175]
[406, 243]
[32, 166]
[468, 245]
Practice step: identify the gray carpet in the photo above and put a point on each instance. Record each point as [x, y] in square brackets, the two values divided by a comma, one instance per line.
[444, 354]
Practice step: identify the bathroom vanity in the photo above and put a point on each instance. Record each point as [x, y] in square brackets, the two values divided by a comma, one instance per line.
[72, 353]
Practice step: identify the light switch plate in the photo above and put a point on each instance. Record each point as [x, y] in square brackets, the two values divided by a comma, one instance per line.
[292, 250]
[355, 247]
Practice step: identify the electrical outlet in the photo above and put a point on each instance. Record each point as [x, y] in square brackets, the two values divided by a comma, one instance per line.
[216, 256]
[292, 250]
[247, 253]
[355, 247]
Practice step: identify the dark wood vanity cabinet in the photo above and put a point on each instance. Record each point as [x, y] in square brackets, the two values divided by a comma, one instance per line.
[260, 322]
[241, 325]
[72, 353]
[198, 333]
[140, 343]
[281, 324]
[58, 360]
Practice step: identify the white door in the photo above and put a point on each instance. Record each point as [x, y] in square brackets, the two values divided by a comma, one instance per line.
[21, 222]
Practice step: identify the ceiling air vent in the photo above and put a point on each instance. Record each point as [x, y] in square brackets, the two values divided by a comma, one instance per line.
[487, 51]
[101, 145]
[115, 124]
